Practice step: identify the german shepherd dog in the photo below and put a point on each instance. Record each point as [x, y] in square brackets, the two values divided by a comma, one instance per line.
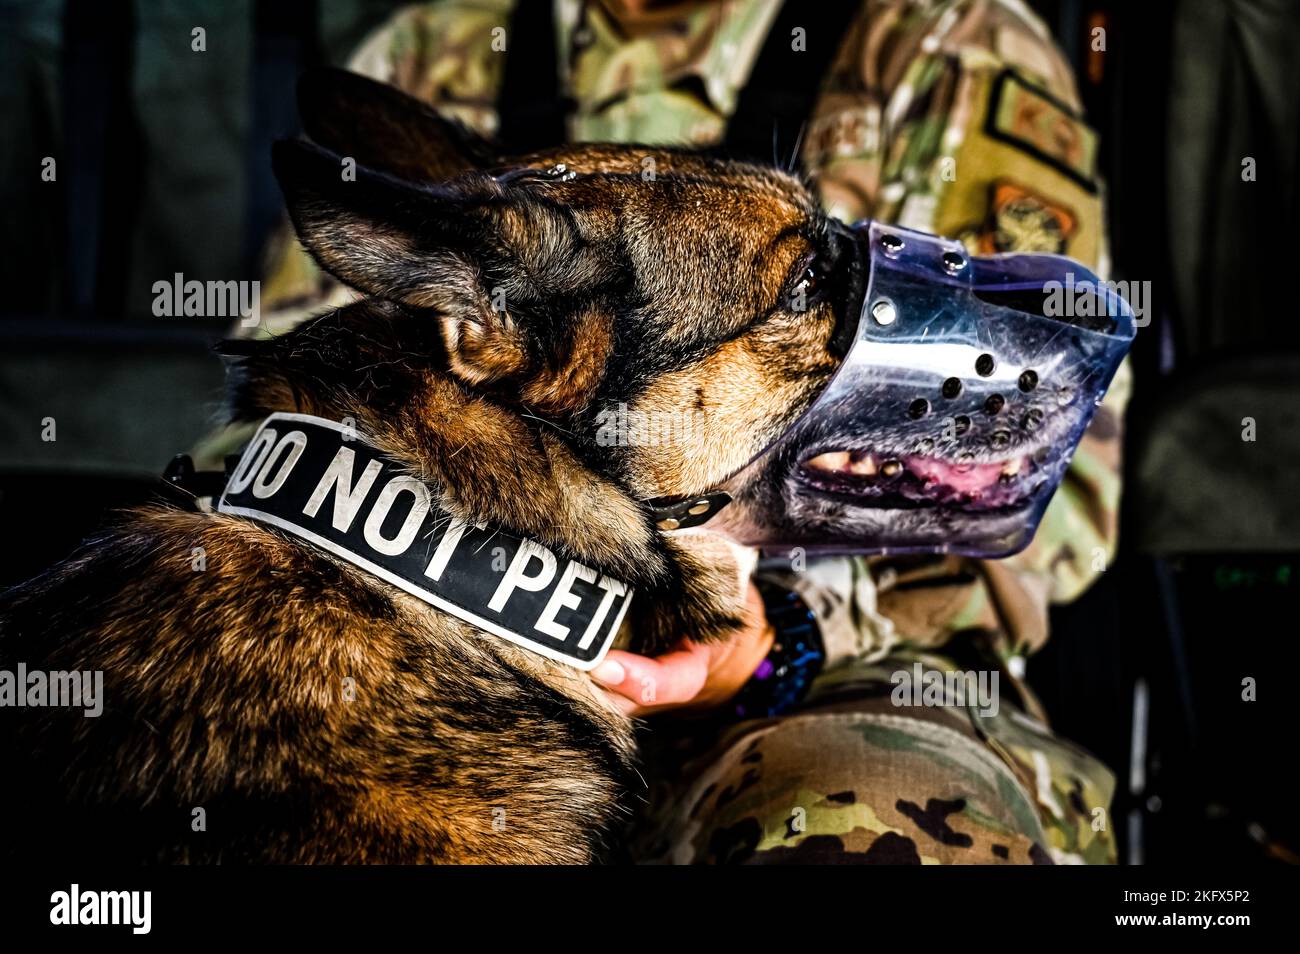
[650, 278]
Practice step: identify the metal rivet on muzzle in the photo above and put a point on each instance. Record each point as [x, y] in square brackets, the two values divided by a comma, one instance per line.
[884, 313]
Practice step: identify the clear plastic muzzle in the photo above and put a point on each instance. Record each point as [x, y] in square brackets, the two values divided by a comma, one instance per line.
[966, 389]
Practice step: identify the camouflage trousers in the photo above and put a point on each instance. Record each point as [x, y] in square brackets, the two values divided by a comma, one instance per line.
[861, 774]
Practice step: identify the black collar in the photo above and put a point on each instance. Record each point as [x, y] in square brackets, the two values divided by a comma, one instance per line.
[319, 481]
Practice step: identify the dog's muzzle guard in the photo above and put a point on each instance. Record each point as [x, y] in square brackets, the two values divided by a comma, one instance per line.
[965, 389]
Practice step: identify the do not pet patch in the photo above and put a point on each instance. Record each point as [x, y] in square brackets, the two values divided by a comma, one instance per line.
[315, 479]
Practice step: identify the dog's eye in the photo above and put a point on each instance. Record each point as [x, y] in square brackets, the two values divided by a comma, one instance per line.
[809, 281]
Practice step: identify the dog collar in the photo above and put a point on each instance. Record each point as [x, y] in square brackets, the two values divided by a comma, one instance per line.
[319, 481]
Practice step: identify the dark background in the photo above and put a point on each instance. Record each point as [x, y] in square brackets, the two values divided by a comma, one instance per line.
[163, 167]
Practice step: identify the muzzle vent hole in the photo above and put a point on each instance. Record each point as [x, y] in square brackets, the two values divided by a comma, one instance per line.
[951, 388]
[918, 409]
[984, 365]
[994, 404]
[1028, 380]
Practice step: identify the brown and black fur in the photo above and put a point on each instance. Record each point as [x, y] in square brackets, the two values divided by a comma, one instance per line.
[225, 688]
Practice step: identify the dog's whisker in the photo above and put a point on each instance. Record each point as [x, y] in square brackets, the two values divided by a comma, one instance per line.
[798, 144]
[542, 420]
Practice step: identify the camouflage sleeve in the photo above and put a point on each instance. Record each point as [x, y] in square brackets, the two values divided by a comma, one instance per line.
[962, 118]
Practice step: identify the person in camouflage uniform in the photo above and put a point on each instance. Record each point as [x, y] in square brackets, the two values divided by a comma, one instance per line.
[957, 117]
[852, 776]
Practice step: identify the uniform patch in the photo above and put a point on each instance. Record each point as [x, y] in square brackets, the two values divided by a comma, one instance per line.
[315, 480]
[1023, 221]
[1038, 123]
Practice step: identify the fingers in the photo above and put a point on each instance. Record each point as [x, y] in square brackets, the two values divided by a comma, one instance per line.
[691, 675]
[640, 684]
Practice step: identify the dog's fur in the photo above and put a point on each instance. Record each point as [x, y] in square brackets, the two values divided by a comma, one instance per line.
[226, 688]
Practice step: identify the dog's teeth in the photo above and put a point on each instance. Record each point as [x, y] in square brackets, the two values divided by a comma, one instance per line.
[892, 468]
[1012, 467]
[864, 466]
[835, 460]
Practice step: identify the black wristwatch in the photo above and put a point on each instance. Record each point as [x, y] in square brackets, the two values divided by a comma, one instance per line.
[783, 678]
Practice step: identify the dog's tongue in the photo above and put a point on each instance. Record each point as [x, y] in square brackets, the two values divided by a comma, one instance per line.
[961, 478]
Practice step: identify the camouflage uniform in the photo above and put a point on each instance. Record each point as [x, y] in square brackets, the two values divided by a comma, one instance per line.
[852, 777]
[956, 117]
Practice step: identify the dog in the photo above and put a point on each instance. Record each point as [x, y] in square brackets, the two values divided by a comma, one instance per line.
[280, 705]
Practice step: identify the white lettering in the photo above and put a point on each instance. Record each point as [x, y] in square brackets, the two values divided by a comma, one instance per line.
[612, 588]
[387, 496]
[563, 596]
[296, 443]
[347, 496]
[515, 578]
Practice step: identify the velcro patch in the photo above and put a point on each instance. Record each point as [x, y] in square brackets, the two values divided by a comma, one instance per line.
[1033, 120]
[318, 481]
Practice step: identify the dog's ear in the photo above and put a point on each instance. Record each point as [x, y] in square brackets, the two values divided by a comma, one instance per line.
[381, 127]
[487, 256]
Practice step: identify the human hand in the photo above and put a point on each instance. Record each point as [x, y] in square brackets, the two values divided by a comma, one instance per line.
[690, 676]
